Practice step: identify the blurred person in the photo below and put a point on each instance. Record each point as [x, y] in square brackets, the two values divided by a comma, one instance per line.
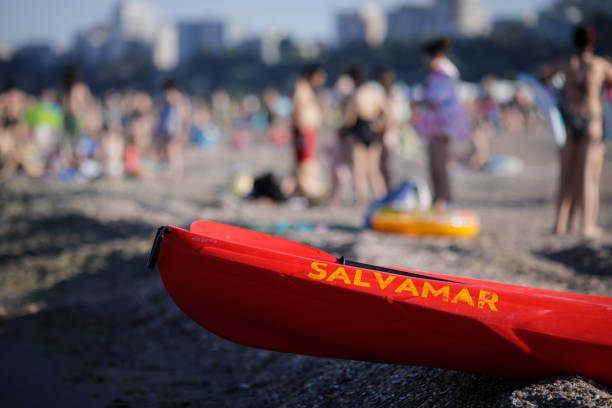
[341, 149]
[581, 158]
[170, 133]
[257, 119]
[132, 166]
[269, 97]
[77, 101]
[241, 135]
[113, 148]
[140, 120]
[524, 103]
[112, 144]
[114, 106]
[442, 119]
[363, 118]
[511, 119]
[396, 110]
[12, 102]
[221, 107]
[12, 106]
[486, 116]
[488, 106]
[307, 121]
[273, 104]
[45, 119]
[607, 109]
[88, 145]
[203, 131]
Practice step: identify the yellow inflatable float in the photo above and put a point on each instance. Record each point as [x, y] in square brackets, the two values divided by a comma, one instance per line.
[450, 223]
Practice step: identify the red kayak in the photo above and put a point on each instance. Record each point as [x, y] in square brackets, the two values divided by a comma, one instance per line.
[263, 291]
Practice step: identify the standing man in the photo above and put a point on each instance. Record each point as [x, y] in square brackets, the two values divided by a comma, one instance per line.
[582, 155]
[307, 120]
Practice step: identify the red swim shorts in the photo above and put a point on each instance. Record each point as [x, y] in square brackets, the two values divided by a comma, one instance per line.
[305, 144]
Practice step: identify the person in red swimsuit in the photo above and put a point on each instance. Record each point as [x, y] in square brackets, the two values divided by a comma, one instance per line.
[307, 120]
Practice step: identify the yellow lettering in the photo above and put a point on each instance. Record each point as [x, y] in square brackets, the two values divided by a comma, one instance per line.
[463, 296]
[427, 289]
[407, 286]
[383, 283]
[357, 281]
[489, 298]
[318, 266]
[339, 273]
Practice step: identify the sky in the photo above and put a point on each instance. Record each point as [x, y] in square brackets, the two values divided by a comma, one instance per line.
[55, 21]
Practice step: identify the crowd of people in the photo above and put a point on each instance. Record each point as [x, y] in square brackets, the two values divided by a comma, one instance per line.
[374, 114]
[71, 134]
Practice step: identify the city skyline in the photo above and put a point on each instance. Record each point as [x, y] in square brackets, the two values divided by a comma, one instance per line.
[59, 21]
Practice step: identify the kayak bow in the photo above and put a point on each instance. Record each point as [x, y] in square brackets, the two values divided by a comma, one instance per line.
[268, 292]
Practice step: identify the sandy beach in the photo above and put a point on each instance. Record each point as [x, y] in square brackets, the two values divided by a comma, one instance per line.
[84, 323]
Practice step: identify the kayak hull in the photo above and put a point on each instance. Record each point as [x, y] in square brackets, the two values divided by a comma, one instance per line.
[266, 292]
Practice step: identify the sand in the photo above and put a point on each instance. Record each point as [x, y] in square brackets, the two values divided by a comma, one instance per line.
[84, 323]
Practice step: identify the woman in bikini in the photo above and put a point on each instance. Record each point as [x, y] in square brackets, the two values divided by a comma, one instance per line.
[581, 158]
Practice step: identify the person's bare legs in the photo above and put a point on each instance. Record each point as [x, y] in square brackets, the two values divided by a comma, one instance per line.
[375, 175]
[385, 165]
[438, 157]
[593, 163]
[175, 157]
[308, 179]
[161, 150]
[573, 180]
[341, 177]
[360, 173]
[8, 164]
[481, 148]
[340, 173]
[446, 193]
[600, 154]
[576, 182]
[568, 178]
[597, 166]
